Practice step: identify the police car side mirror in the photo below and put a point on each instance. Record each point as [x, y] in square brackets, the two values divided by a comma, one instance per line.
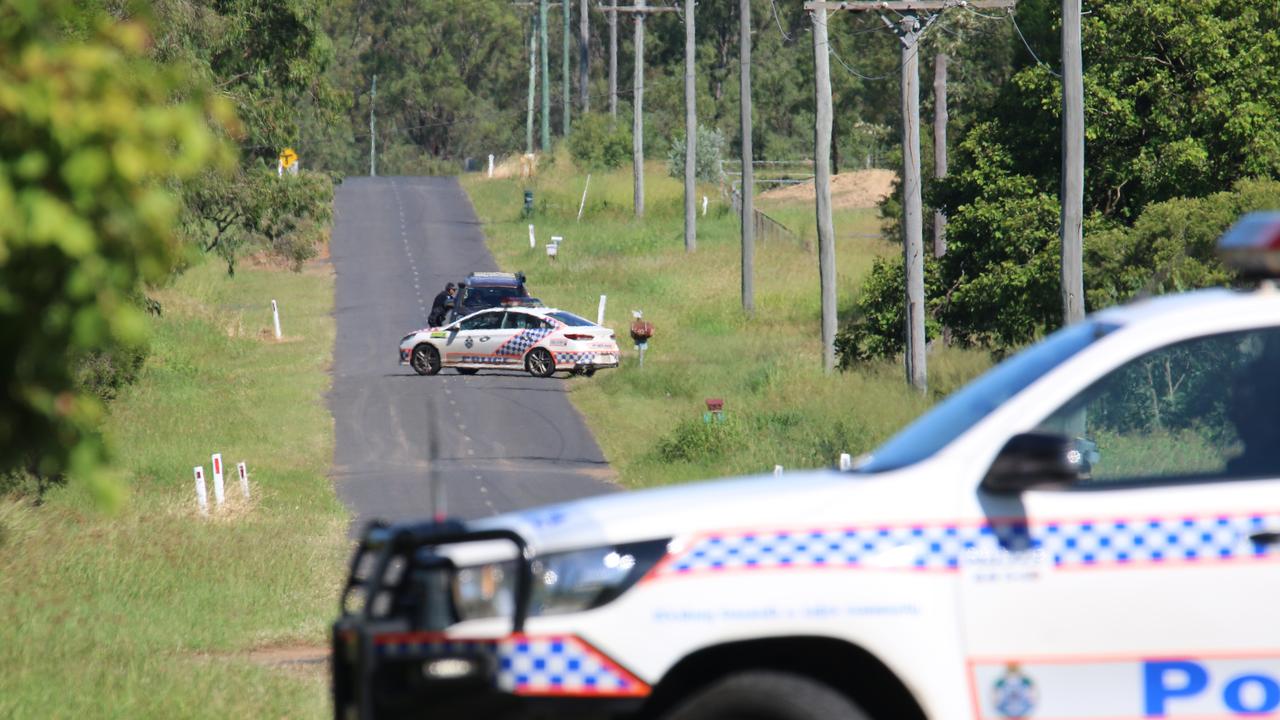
[1035, 458]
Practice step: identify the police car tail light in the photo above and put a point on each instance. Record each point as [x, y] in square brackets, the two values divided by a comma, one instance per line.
[1251, 247]
[578, 336]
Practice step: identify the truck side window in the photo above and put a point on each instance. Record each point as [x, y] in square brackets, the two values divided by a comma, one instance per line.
[1204, 408]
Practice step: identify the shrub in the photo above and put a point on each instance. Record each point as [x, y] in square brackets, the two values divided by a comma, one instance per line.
[599, 142]
[709, 164]
[693, 440]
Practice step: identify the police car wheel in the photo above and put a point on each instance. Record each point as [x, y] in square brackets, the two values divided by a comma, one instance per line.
[539, 363]
[467, 371]
[767, 695]
[425, 360]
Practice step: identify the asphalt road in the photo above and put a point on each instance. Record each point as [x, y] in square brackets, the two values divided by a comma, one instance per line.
[495, 442]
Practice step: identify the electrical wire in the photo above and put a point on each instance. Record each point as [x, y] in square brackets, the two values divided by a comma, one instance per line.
[778, 20]
[1027, 45]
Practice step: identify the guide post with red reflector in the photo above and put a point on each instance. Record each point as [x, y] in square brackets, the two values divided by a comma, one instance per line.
[217, 478]
[202, 495]
[244, 479]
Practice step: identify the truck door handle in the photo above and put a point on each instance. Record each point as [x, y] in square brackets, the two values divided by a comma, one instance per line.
[1265, 538]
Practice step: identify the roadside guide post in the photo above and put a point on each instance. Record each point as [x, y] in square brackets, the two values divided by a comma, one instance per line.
[846, 461]
[202, 494]
[600, 311]
[490, 164]
[533, 241]
[217, 478]
[275, 317]
[244, 479]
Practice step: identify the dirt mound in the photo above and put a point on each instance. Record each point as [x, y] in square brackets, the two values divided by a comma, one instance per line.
[856, 189]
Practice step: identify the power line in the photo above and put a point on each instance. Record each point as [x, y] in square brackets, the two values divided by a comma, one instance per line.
[1027, 45]
[778, 20]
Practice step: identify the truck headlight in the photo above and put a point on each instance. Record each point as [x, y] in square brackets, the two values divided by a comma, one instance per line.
[562, 582]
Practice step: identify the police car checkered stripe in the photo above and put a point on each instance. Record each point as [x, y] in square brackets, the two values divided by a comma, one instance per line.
[558, 665]
[516, 346]
[943, 547]
[575, 357]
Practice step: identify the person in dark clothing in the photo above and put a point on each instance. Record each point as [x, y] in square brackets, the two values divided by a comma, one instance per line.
[443, 303]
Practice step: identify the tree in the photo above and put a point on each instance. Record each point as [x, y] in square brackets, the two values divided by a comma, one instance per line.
[90, 134]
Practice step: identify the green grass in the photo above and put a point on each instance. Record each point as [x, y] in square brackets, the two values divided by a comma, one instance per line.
[152, 612]
[767, 368]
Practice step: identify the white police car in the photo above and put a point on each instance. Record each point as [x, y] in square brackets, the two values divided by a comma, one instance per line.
[1090, 530]
[540, 340]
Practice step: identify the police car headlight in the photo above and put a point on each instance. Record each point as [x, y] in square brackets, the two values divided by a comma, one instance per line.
[562, 582]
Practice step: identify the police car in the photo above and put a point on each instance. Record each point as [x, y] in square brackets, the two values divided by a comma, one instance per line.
[1090, 530]
[540, 340]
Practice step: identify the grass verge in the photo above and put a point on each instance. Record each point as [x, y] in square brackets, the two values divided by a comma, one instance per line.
[781, 408]
[156, 612]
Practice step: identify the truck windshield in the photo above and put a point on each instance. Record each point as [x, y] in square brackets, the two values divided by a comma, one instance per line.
[950, 418]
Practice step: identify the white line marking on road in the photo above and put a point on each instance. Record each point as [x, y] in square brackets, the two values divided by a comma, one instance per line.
[470, 451]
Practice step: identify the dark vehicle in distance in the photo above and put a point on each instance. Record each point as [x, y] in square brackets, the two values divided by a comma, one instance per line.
[484, 290]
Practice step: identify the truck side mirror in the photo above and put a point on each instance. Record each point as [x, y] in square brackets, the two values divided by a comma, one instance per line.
[1035, 458]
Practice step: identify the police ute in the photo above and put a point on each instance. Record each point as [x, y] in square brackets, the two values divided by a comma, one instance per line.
[1090, 530]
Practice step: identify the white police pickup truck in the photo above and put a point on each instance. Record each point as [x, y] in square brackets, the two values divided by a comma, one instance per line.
[1090, 530]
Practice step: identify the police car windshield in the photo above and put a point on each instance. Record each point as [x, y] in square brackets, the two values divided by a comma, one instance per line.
[964, 408]
[570, 319]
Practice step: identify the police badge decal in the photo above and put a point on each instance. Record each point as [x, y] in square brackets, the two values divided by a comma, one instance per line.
[469, 342]
[1014, 695]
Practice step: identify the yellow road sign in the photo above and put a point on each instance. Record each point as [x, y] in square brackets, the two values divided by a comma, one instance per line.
[288, 157]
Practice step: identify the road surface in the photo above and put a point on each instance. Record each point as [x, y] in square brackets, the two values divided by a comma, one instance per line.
[495, 442]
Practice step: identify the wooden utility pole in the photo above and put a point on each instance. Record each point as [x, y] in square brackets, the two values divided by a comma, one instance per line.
[546, 76]
[822, 186]
[1072, 221]
[910, 26]
[613, 59]
[533, 84]
[637, 118]
[566, 100]
[637, 110]
[939, 147]
[748, 171]
[584, 37]
[690, 133]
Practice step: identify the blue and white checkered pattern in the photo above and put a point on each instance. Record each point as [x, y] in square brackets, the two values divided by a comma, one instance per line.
[516, 346]
[557, 665]
[943, 547]
[577, 358]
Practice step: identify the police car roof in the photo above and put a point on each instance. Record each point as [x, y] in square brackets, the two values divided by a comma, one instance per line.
[1220, 302]
[493, 278]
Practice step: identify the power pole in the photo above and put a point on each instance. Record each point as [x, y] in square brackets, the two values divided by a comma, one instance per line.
[690, 134]
[748, 172]
[533, 84]
[1072, 223]
[910, 26]
[637, 119]
[373, 135]
[637, 110]
[546, 76]
[939, 147]
[822, 186]
[613, 59]
[909, 29]
[584, 37]
[566, 100]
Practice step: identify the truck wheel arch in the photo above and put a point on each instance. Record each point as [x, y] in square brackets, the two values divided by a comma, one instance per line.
[840, 664]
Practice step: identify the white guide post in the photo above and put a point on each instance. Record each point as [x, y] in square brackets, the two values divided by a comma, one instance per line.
[600, 312]
[217, 478]
[490, 164]
[275, 317]
[202, 494]
[243, 470]
[533, 241]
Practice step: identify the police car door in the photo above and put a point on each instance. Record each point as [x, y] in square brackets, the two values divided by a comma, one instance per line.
[477, 339]
[1151, 588]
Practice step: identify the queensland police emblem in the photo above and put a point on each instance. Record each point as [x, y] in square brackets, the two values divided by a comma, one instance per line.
[1014, 695]
[469, 343]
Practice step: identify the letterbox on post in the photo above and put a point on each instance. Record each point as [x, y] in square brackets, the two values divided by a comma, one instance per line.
[641, 331]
